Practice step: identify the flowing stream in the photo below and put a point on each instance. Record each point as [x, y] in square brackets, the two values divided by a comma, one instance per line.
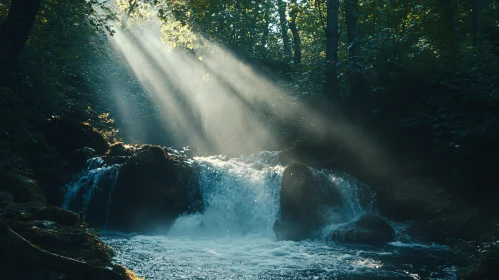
[233, 238]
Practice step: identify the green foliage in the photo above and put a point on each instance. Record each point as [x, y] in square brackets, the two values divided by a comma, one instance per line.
[51, 77]
[416, 57]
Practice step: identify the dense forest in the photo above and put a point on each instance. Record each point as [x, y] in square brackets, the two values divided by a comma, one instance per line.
[402, 94]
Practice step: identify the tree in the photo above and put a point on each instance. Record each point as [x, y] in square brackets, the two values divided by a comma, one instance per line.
[448, 37]
[266, 19]
[357, 82]
[15, 30]
[294, 30]
[477, 7]
[284, 27]
[332, 87]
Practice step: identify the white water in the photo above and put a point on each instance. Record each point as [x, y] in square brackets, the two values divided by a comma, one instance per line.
[233, 238]
[96, 177]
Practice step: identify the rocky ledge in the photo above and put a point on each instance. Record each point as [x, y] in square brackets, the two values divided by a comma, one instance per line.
[46, 242]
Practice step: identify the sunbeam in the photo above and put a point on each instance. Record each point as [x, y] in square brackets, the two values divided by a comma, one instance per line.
[212, 100]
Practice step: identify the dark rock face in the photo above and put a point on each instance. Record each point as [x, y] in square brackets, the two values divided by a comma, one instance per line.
[153, 188]
[369, 229]
[301, 201]
[75, 241]
[21, 188]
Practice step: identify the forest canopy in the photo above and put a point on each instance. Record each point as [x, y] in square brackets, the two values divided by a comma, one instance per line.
[395, 60]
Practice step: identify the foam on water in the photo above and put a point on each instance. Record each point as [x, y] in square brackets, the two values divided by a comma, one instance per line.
[255, 257]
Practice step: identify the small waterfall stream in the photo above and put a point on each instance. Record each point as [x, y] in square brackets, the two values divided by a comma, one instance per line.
[96, 178]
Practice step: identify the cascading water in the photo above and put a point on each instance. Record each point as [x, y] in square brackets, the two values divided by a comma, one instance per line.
[233, 239]
[96, 178]
[240, 197]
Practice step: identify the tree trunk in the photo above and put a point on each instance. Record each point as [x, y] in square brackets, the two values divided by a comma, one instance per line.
[296, 35]
[284, 27]
[448, 35]
[355, 75]
[477, 7]
[131, 7]
[15, 30]
[332, 88]
[265, 36]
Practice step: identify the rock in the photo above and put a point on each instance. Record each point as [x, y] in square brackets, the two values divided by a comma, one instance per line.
[22, 212]
[120, 150]
[84, 153]
[153, 188]
[486, 268]
[305, 201]
[6, 199]
[58, 215]
[44, 224]
[68, 136]
[369, 229]
[47, 227]
[299, 203]
[23, 189]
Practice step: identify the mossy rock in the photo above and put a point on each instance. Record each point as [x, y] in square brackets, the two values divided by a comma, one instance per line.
[58, 215]
[120, 150]
[22, 188]
[153, 188]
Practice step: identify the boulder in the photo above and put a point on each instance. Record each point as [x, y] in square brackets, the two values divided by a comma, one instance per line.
[369, 230]
[299, 204]
[33, 249]
[153, 188]
[81, 156]
[58, 215]
[120, 150]
[22, 188]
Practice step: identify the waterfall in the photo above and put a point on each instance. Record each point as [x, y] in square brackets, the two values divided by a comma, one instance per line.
[241, 196]
[97, 177]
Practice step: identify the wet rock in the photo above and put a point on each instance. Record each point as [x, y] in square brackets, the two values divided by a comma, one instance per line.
[46, 227]
[36, 211]
[22, 188]
[153, 188]
[44, 224]
[302, 199]
[369, 229]
[85, 153]
[58, 215]
[486, 268]
[120, 150]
